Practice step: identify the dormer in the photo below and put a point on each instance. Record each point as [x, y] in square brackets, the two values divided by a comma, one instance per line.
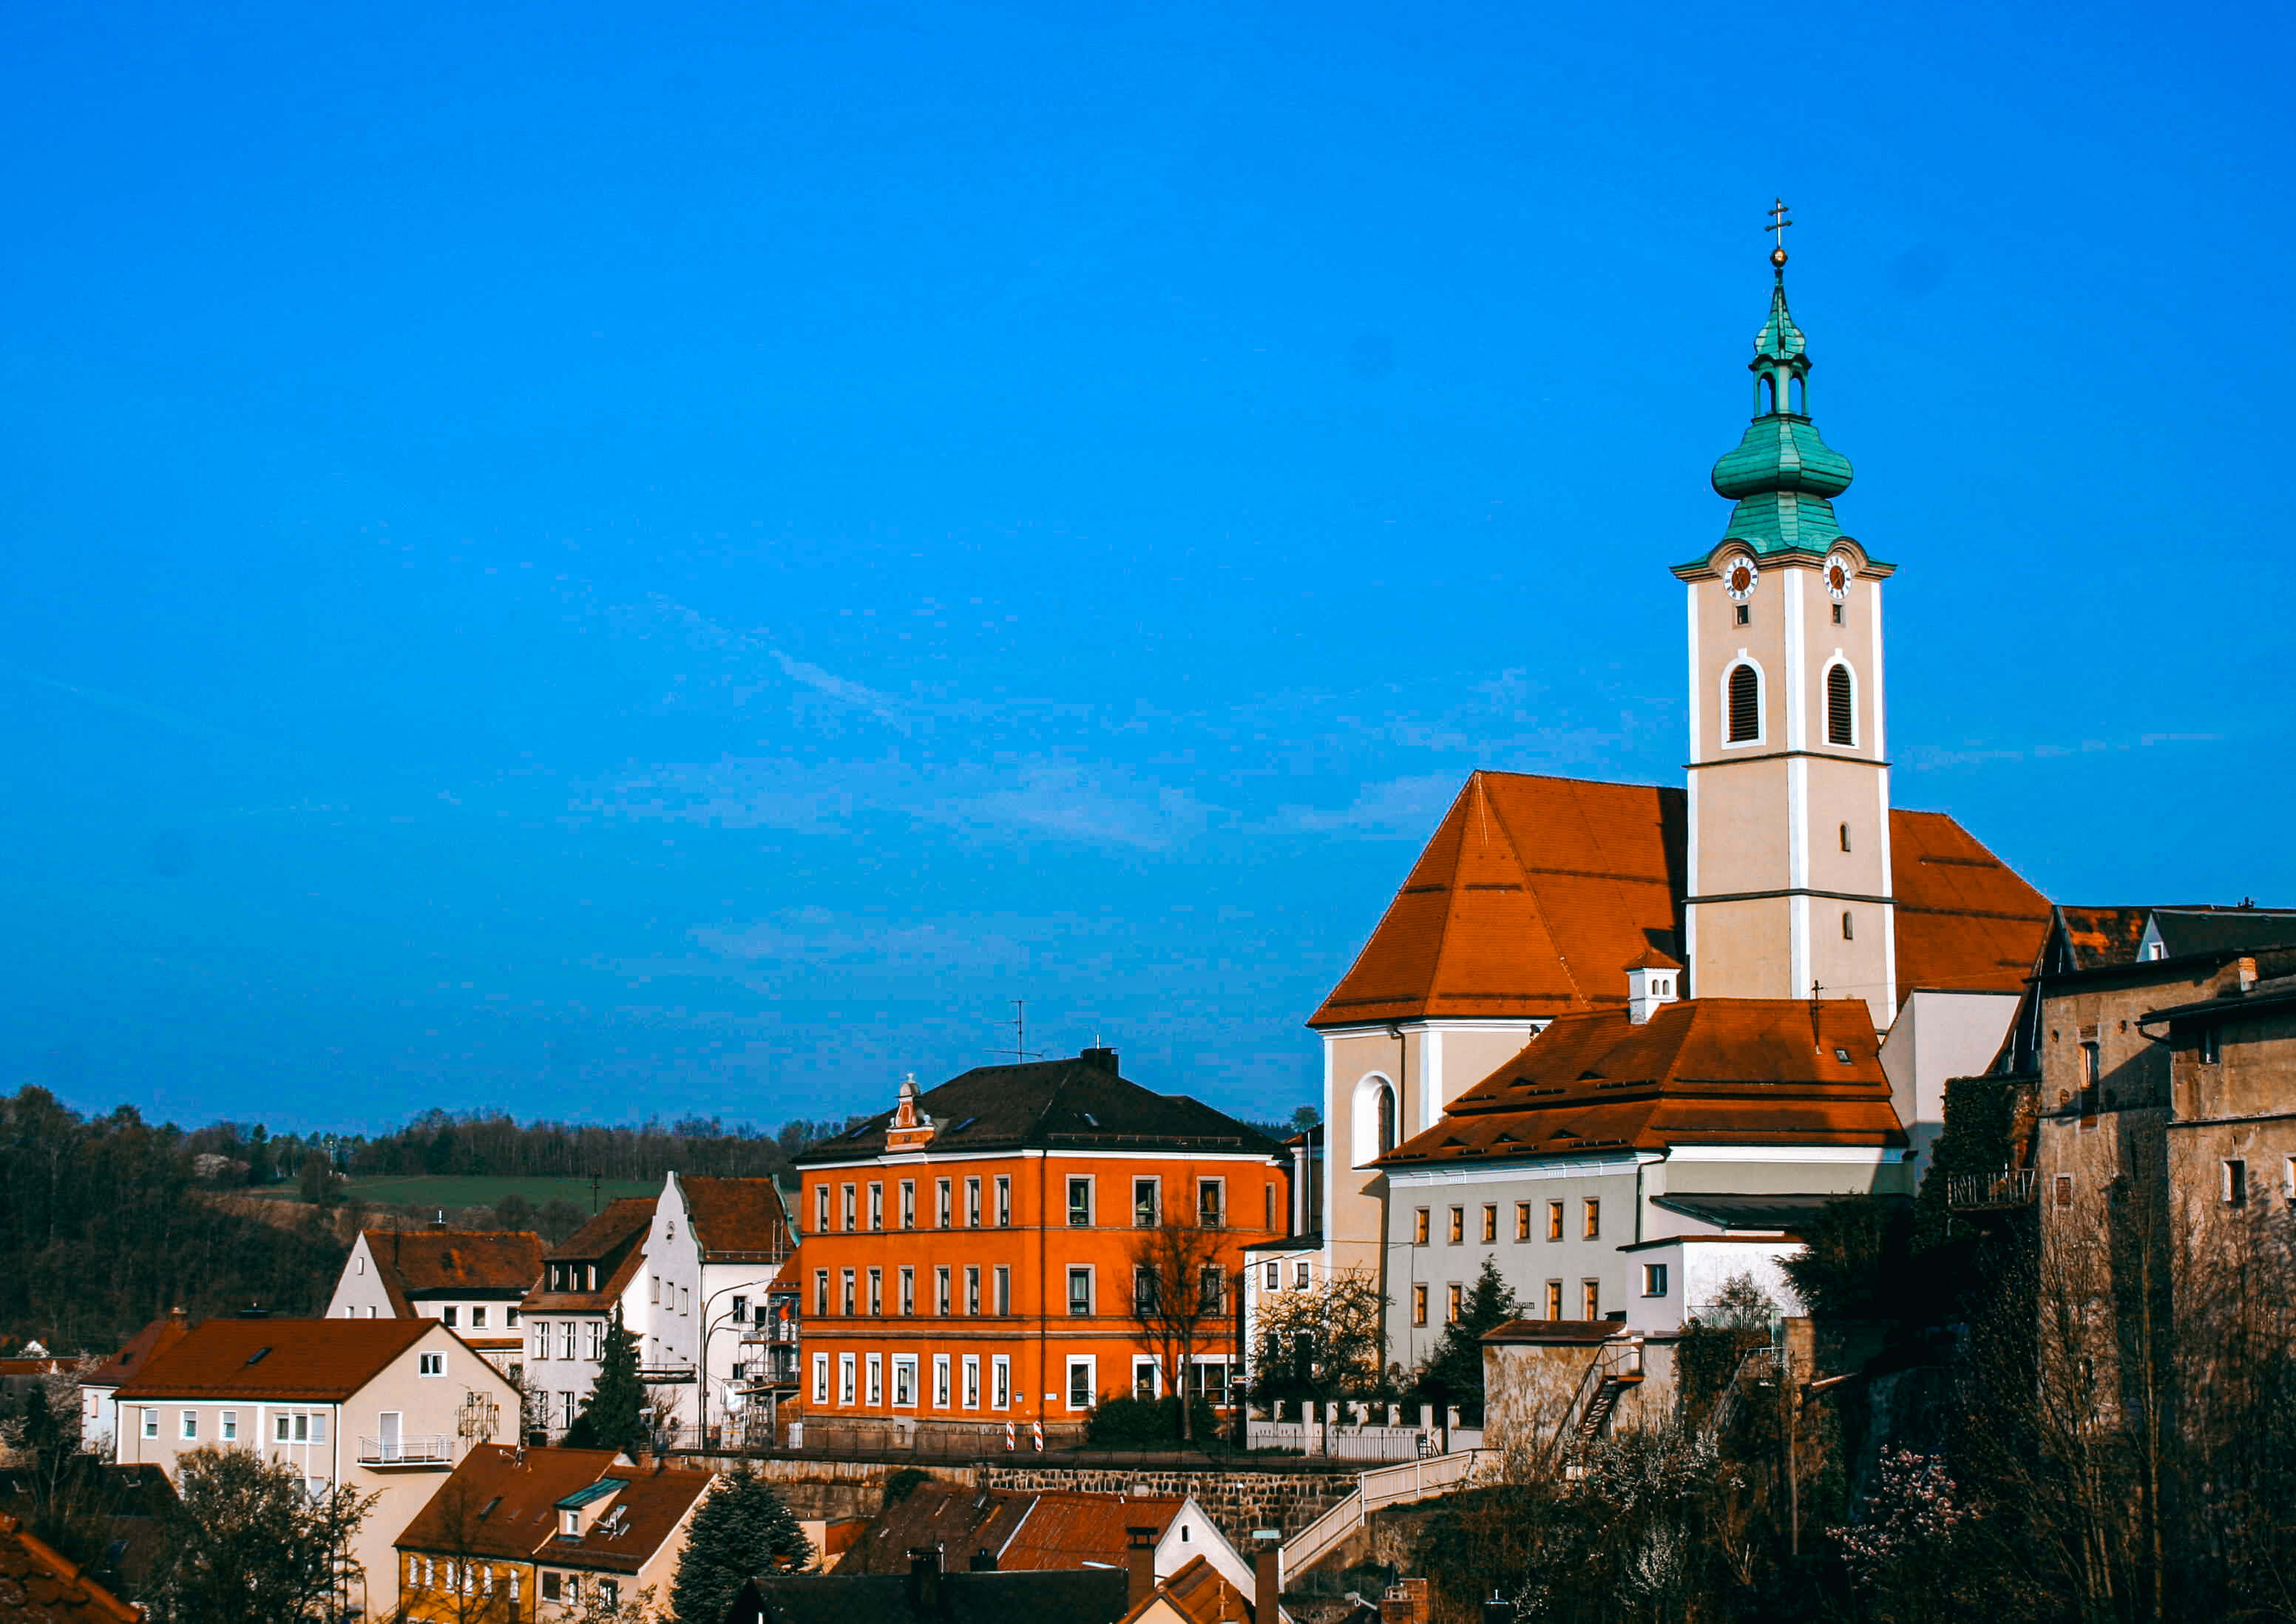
[584, 1509]
[911, 1129]
[1652, 979]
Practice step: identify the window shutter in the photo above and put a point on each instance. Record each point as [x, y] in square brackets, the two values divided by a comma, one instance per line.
[1841, 713]
[1745, 705]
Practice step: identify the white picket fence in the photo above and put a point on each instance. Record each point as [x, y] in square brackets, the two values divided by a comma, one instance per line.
[1384, 1485]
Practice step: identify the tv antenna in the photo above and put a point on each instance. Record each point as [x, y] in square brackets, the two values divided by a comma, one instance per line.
[1020, 1049]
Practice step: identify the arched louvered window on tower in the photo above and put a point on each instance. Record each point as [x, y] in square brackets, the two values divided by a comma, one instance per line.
[1840, 707]
[1746, 704]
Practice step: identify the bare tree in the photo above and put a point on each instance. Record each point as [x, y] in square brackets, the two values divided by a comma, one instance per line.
[1179, 1288]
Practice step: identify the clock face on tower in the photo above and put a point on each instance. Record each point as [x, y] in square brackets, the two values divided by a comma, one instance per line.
[1838, 571]
[1738, 576]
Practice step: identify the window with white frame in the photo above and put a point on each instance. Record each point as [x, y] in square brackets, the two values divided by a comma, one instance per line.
[941, 1289]
[1080, 1292]
[1000, 1381]
[821, 1210]
[191, 1424]
[565, 1338]
[845, 1378]
[971, 1381]
[541, 1328]
[1653, 1279]
[430, 1364]
[905, 1380]
[1083, 1384]
[1079, 1203]
[940, 1382]
[151, 1423]
[1211, 1203]
[821, 1378]
[478, 1316]
[448, 1316]
[228, 1425]
[594, 1337]
[1003, 1200]
[1147, 1203]
[873, 1369]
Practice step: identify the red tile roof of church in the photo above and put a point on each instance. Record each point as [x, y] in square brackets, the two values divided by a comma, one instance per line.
[1703, 1072]
[1535, 892]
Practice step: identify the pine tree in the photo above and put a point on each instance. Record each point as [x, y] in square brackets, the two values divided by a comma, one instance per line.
[613, 1416]
[1454, 1372]
[741, 1529]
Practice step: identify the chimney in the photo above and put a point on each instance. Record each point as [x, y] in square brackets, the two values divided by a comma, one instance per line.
[1139, 1566]
[984, 1561]
[1099, 1059]
[1498, 1609]
[924, 1579]
[1267, 1575]
[2247, 971]
[1405, 1603]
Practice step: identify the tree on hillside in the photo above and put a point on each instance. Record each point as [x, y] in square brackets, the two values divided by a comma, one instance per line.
[741, 1529]
[256, 1544]
[1454, 1373]
[1179, 1294]
[315, 1179]
[613, 1416]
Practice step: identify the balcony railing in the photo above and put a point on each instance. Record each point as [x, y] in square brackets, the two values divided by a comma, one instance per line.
[2010, 1187]
[406, 1451]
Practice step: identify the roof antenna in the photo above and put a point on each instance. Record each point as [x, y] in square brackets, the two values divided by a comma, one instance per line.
[1020, 1049]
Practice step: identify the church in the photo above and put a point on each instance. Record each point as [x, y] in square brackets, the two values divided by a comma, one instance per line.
[1621, 1036]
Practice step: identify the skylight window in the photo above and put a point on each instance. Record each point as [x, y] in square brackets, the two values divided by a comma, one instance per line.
[1090, 1120]
[1842, 1055]
[257, 1357]
[961, 1126]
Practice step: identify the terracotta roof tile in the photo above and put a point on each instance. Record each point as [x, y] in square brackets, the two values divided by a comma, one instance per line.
[1071, 1530]
[518, 1497]
[1534, 894]
[38, 1586]
[147, 1344]
[1200, 1593]
[303, 1359]
[614, 1240]
[1702, 1071]
[737, 1217]
[419, 1263]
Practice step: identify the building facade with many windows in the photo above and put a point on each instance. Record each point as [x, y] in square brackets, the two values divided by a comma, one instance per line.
[974, 1255]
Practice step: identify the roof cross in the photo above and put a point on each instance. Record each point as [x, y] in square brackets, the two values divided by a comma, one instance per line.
[1778, 224]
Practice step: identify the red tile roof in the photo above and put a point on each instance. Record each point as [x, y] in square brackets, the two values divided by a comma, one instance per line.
[327, 1360]
[737, 1217]
[1703, 1072]
[1070, 1529]
[503, 1502]
[38, 1586]
[1535, 894]
[615, 1241]
[417, 1263]
[518, 1497]
[146, 1345]
[1200, 1592]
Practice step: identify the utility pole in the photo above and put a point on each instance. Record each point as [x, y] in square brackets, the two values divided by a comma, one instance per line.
[593, 1194]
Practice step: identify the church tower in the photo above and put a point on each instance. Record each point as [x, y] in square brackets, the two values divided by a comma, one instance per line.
[1788, 876]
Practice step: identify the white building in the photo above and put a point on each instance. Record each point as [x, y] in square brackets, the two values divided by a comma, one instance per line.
[470, 1280]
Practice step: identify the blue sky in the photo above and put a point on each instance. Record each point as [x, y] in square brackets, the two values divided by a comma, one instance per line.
[600, 561]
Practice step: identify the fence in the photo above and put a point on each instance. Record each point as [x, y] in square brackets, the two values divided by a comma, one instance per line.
[2009, 1187]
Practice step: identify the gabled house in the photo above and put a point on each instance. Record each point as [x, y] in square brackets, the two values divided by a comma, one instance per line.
[518, 1534]
[99, 1411]
[470, 1280]
[585, 1278]
[385, 1406]
[1026, 1531]
[714, 1251]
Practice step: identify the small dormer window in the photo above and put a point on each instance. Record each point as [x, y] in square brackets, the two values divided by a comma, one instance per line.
[569, 1524]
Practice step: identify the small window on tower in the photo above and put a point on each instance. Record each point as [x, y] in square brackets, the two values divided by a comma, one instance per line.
[1841, 708]
[1745, 614]
[1849, 932]
[1837, 614]
[1745, 705]
[1845, 837]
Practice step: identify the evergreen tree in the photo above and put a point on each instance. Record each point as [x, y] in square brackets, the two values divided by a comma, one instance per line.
[741, 1529]
[613, 1416]
[1454, 1372]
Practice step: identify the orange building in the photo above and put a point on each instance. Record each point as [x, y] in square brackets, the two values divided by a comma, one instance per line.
[971, 1257]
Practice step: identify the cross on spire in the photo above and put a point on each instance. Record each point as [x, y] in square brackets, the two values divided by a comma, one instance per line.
[1778, 224]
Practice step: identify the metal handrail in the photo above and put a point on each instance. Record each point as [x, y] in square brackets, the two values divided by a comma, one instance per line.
[2009, 1187]
[406, 1451]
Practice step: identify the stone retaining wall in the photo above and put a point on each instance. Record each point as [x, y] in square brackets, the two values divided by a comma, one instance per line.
[1237, 1502]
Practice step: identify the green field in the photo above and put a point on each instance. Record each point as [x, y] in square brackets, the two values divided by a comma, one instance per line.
[423, 1190]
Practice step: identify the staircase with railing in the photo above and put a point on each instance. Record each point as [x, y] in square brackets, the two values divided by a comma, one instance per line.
[1398, 1484]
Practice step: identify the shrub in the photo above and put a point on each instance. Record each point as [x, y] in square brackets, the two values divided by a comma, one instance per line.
[1142, 1424]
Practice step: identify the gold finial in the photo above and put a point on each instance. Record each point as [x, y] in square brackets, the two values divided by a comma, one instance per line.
[1778, 224]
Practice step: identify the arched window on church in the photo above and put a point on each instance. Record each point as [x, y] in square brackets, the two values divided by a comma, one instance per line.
[1840, 707]
[1386, 1121]
[1371, 1134]
[1746, 704]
